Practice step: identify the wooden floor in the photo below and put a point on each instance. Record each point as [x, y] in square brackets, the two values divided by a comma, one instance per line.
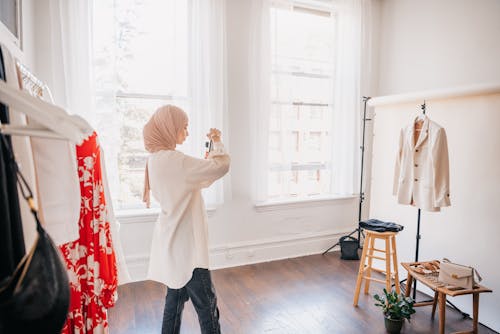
[311, 294]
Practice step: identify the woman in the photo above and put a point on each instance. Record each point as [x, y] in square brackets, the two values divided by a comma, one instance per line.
[179, 252]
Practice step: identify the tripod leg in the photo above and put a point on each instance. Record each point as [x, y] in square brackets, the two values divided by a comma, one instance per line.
[336, 244]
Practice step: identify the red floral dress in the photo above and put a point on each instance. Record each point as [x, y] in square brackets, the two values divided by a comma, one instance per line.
[90, 260]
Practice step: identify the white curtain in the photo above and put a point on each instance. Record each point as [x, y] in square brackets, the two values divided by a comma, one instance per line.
[259, 67]
[207, 88]
[351, 41]
[70, 56]
[347, 102]
[68, 73]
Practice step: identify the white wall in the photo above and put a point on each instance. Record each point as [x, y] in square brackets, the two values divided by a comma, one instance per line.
[430, 44]
[442, 44]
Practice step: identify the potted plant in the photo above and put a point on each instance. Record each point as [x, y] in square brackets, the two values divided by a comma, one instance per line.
[396, 309]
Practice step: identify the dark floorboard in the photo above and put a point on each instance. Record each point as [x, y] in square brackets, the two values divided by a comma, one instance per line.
[311, 294]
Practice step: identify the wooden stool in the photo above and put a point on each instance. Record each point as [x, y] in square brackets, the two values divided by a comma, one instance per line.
[366, 269]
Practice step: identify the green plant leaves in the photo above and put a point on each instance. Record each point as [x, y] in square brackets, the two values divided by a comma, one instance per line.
[395, 306]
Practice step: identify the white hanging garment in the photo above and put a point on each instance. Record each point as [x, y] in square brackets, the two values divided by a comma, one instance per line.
[421, 175]
[58, 186]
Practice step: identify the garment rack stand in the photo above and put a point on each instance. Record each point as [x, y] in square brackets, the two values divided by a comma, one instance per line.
[418, 236]
[361, 192]
[417, 248]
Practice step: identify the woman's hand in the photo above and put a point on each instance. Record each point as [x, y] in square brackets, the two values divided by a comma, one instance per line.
[214, 135]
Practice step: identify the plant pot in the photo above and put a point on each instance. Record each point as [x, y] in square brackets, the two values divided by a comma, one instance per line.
[393, 326]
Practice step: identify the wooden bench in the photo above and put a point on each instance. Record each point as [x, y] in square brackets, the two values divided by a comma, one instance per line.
[440, 293]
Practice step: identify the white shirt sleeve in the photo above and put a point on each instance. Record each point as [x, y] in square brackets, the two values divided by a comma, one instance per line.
[201, 173]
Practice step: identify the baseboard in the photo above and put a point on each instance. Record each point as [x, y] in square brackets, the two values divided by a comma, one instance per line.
[244, 253]
[239, 254]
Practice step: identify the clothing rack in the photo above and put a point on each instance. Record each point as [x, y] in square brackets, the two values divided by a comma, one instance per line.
[417, 247]
[54, 121]
[418, 236]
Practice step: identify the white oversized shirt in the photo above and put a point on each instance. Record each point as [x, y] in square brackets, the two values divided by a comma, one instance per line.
[180, 237]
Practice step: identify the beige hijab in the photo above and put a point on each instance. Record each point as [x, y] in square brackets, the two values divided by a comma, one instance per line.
[160, 133]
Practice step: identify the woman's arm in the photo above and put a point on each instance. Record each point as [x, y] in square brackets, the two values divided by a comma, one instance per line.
[201, 173]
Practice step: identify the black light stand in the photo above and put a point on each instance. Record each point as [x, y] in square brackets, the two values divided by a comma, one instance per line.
[361, 193]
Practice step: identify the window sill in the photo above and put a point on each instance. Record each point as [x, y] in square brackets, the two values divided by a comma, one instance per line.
[300, 202]
[134, 216]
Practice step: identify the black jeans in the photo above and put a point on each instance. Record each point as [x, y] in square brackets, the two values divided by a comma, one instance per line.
[202, 293]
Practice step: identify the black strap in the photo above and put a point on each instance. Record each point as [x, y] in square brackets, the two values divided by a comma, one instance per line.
[21, 181]
[348, 238]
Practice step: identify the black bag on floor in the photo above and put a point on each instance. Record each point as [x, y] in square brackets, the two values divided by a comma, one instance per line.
[348, 248]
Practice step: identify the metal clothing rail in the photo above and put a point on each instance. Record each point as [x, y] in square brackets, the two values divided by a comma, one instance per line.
[55, 122]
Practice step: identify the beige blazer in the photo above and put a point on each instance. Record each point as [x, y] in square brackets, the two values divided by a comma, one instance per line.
[421, 175]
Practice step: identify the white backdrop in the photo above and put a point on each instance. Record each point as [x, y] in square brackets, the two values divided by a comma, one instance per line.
[468, 231]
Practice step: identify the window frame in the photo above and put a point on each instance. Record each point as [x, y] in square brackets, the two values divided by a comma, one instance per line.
[14, 41]
[311, 7]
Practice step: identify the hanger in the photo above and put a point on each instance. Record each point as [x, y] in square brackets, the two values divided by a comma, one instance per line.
[419, 120]
[55, 122]
[421, 115]
[36, 88]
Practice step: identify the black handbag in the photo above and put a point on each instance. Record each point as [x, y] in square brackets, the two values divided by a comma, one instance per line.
[35, 298]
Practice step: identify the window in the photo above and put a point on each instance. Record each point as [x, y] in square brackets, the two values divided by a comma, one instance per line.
[302, 96]
[10, 22]
[140, 63]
